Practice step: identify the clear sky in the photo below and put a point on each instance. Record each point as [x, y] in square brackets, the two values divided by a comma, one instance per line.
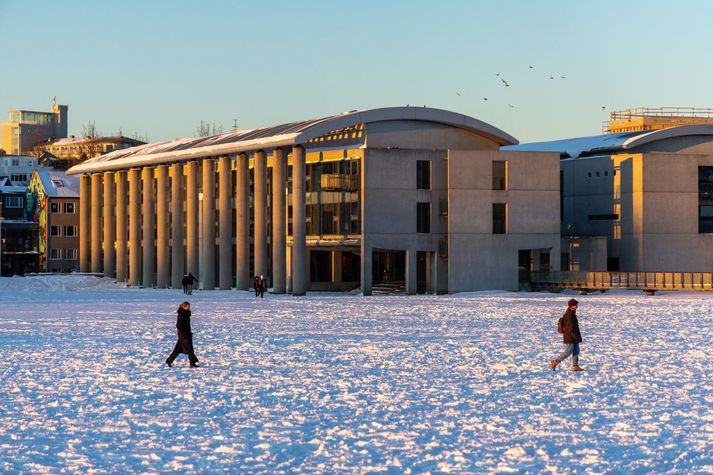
[159, 67]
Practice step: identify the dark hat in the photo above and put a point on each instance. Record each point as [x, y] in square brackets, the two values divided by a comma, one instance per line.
[572, 303]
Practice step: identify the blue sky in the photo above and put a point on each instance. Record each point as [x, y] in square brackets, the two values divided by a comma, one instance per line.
[159, 67]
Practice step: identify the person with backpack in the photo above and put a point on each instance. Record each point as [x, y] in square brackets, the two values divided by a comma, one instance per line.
[568, 326]
[185, 336]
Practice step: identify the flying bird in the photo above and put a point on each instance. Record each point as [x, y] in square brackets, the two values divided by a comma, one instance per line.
[504, 82]
[563, 77]
[458, 93]
[511, 106]
[485, 98]
[531, 67]
[497, 74]
[551, 76]
[603, 107]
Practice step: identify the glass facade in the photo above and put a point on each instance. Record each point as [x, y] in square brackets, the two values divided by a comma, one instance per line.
[332, 189]
[705, 200]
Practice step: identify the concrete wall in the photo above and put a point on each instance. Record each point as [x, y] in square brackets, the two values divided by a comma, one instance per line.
[691, 144]
[479, 259]
[425, 136]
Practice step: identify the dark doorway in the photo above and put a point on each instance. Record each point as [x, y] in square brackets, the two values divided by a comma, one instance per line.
[388, 266]
[320, 266]
[421, 272]
[524, 267]
[351, 267]
[613, 264]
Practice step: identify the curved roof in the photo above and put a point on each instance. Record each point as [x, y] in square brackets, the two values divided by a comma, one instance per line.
[294, 133]
[608, 143]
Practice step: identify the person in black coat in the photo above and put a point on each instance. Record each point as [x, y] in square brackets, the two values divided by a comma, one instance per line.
[187, 283]
[571, 337]
[257, 283]
[185, 336]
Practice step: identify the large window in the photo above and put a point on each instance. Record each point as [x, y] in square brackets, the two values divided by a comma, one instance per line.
[70, 230]
[55, 231]
[54, 208]
[705, 200]
[423, 175]
[500, 224]
[423, 218]
[69, 208]
[500, 174]
[14, 202]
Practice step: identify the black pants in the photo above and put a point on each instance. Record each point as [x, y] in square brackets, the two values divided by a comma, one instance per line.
[183, 345]
[185, 289]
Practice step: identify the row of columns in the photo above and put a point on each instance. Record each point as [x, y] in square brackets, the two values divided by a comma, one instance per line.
[132, 260]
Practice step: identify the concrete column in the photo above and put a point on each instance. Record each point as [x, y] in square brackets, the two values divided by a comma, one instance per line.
[260, 212]
[336, 267]
[192, 218]
[96, 235]
[121, 227]
[177, 262]
[207, 255]
[411, 272]
[109, 225]
[299, 238]
[279, 221]
[225, 229]
[134, 227]
[148, 227]
[162, 231]
[85, 220]
[242, 215]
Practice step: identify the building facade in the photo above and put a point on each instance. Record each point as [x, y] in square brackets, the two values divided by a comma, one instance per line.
[53, 198]
[73, 150]
[416, 198]
[26, 129]
[637, 201]
[20, 253]
[16, 169]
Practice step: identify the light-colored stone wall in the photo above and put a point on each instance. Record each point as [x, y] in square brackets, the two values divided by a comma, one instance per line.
[479, 259]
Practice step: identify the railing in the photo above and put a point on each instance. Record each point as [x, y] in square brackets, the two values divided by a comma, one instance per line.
[337, 182]
[624, 280]
[662, 112]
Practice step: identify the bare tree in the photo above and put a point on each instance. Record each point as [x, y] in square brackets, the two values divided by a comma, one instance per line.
[205, 129]
[89, 130]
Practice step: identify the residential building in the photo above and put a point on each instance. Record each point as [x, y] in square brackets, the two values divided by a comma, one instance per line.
[73, 150]
[16, 169]
[20, 252]
[411, 197]
[53, 198]
[25, 129]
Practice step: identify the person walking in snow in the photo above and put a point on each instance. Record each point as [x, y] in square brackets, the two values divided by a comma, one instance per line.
[185, 336]
[187, 283]
[263, 285]
[257, 283]
[570, 337]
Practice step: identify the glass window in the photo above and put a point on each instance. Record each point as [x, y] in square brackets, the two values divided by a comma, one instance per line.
[70, 254]
[55, 231]
[54, 208]
[14, 202]
[705, 200]
[70, 230]
[423, 218]
[423, 174]
[55, 254]
[499, 218]
[69, 208]
[500, 169]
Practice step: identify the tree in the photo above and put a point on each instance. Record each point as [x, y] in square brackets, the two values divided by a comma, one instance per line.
[205, 129]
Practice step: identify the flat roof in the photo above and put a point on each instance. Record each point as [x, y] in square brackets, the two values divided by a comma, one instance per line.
[610, 143]
[293, 133]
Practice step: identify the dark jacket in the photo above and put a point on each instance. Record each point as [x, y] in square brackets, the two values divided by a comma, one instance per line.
[183, 330]
[183, 323]
[188, 280]
[571, 328]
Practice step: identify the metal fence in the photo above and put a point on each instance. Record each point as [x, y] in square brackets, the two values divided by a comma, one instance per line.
[624, 280]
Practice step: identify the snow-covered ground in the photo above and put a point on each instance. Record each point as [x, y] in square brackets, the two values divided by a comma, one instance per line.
[347, 384]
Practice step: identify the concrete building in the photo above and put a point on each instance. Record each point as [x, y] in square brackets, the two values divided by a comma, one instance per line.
[25, 129]
[53, 198]
[16, 169]
[636, 201]
[413, 198]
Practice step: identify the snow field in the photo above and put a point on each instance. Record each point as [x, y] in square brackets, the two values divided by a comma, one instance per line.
[348, 384]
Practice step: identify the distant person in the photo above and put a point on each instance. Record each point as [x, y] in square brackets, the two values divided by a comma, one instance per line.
[187, 283]
[569, 327]
[263, 286]
[185, 336]
[257, 283]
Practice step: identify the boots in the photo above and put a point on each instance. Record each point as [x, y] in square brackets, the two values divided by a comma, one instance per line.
[553, 364]
[576, 367]
[169, 363]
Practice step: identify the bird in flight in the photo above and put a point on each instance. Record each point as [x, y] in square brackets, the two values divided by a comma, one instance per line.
[552, 76]
[485, 98]
[511, 106]
[563, 77]
[458, 93]
[604, 107]
[531, 67]
[504, 82]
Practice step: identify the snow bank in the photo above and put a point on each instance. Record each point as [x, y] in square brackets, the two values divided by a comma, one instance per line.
[39, 283]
